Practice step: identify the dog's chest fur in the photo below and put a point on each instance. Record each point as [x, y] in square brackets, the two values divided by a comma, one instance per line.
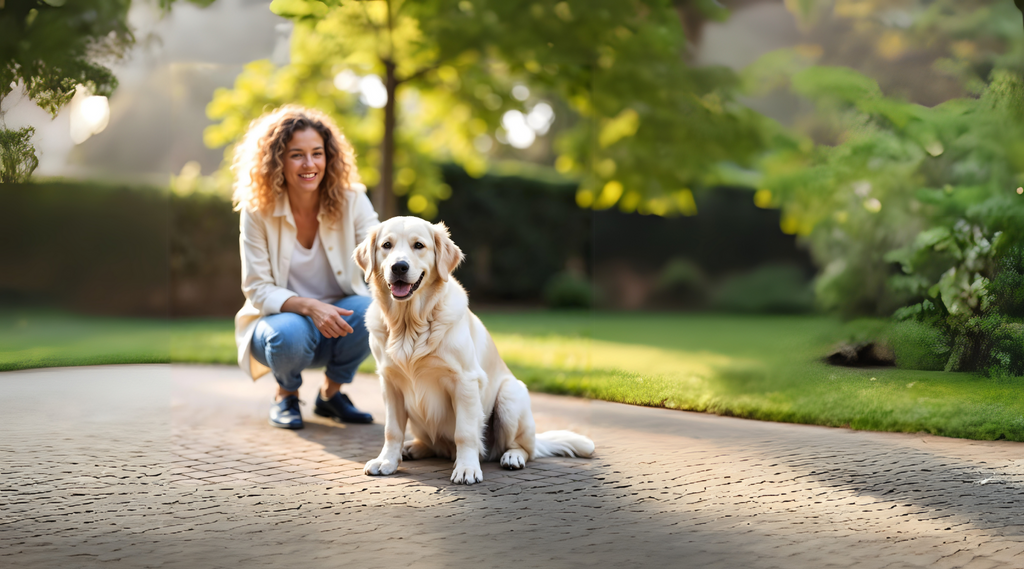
[409, 332]
[407, 339]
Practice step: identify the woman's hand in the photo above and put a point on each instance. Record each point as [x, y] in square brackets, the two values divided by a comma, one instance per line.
[326, 317]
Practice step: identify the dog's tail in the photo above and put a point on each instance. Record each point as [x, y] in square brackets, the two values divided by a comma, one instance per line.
[563, 443]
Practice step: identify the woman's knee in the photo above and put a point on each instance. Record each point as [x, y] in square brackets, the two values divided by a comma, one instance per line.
[286, 333]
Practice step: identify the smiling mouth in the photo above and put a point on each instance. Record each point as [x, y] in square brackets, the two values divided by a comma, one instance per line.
[403, 290]
[308, 176]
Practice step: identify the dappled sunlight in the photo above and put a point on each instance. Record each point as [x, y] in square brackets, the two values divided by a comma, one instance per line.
[582, 354]
[626, 373]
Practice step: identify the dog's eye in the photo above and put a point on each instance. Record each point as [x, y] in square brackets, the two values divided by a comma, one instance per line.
[386, 245]
[418, 245]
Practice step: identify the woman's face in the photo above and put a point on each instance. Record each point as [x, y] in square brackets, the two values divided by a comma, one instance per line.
[304, 161]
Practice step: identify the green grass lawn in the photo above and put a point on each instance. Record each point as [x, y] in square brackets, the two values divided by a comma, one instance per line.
[765, 367]
[48, 339]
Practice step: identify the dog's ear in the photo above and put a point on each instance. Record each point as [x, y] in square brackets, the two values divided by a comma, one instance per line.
[365, 254]
[447, 255]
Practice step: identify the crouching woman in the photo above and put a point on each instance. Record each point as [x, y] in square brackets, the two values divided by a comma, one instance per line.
[302, 211]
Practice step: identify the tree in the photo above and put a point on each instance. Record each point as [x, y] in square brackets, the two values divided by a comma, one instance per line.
[850, 177]
[916, 212]
[635, 124]
[50, 47]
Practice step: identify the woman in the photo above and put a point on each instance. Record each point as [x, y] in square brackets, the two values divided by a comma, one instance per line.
[303, 211]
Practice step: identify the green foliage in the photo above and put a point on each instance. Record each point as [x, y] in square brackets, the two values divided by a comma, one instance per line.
[911, 207]
[914, 207]
[50, 47]
[53, 45]
[89, 247]
[17, 155]
[1006, 289]
[568, 290]
[918, 345]
[682, 282]
[775, 289]
[634, 122]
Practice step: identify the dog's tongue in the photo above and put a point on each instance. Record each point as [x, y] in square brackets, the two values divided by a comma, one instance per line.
[401, 289]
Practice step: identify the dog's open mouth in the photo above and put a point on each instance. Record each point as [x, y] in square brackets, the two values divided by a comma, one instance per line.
[402, 290]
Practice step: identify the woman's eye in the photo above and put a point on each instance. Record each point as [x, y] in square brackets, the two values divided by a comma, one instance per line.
[418, 245]
[386, 245]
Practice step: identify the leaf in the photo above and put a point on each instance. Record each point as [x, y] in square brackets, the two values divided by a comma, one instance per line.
[299, 9]
[836, 83]
[622, 126]
[932, 237]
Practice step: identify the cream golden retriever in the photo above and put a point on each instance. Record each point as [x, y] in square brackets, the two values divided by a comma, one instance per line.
[440, 370]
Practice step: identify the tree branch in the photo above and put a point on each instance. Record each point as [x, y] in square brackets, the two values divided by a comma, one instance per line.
[418, 73]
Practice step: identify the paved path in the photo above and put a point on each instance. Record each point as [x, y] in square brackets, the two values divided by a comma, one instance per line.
[175, 466]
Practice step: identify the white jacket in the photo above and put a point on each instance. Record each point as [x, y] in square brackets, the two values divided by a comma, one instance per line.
[267, 242]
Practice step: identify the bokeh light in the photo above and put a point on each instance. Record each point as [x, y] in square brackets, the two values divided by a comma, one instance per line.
[372, 92]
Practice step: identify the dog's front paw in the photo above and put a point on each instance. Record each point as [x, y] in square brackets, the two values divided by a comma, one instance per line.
[467, 474]
[513, 459]
[380, 467]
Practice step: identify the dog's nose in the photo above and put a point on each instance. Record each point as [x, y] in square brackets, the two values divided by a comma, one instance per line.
[400, 268]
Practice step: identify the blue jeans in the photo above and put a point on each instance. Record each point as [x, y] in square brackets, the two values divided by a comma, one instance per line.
[288, 343]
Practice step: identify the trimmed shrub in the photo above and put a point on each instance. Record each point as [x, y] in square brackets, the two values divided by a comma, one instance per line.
[918, 345]
[568, 290]
[682, 282]
[769, 289]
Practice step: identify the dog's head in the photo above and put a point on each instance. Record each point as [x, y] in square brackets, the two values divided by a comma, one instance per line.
[403, 253]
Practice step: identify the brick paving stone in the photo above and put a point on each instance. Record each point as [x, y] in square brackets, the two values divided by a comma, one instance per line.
[180, 469]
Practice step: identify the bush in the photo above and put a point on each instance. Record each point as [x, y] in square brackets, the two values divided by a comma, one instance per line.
[681, 282]
[517, 233]
[918, 345]
[991, 343]
[88, 247]
[768, 289]
[568, 290]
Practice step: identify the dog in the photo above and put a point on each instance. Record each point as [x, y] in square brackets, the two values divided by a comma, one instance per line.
[439, 368]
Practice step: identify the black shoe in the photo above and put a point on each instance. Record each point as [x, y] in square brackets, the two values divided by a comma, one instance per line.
[340, 407]
[285, 413]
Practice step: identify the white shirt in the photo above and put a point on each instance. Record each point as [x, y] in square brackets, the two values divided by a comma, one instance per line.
[310, 273]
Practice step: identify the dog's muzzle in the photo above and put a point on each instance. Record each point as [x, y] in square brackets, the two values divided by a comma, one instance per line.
[402, 290]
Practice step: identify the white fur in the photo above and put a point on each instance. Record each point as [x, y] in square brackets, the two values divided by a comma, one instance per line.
[440, 370]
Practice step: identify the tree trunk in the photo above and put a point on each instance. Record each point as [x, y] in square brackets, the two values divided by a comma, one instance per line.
[384, 197]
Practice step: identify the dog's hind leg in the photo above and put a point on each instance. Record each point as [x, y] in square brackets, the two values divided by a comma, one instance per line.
[419, 447]
[514, 429]
[416, 450]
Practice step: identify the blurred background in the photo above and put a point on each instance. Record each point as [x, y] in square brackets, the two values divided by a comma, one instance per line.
[508, 182]
[839, 159]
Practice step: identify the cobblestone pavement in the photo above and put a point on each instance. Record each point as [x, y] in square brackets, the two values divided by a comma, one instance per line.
[175, 466]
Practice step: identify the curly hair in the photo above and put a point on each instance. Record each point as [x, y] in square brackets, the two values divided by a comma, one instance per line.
[258, 164]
